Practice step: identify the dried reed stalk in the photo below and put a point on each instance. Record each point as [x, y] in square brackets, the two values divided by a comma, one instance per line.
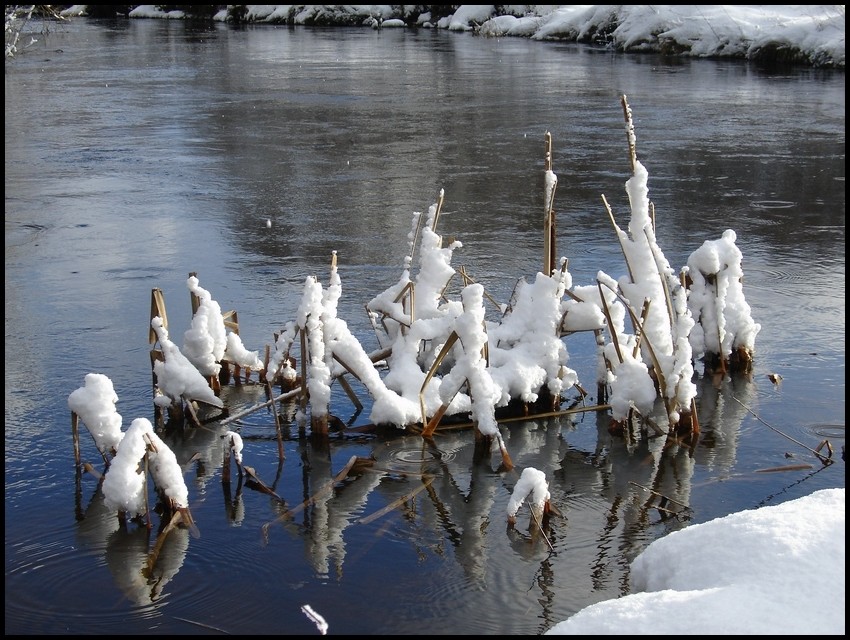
[88, 468]
[607, 313]
[283, 397]
[408, 292]
[506, 458]
[620, 234]
[231, 320]
[249, 471]
[644, 314]
[695, 428]
[662, 382]
[823, 459]
[539, 526]
[179, 516]
[657, 258]
[157, 309]
[661, 495]
[304, 356]
[439, 210]
[74, 420]
[789, 467]
[630, 132]
[190, 406]
[549, 240]
[523, 418]
[429, 426]
[193, 297]
[145, 489]
[467, 280]
[349, 391]
[75, 432]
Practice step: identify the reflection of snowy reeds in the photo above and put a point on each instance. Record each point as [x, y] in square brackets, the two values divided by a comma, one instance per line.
[130, 457]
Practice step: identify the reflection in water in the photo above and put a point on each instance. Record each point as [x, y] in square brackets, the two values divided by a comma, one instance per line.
[612, 495]
[331, 513]
[462, 497]
[139, 570]
[634, 484]
[234, 505]
[128, 557]
[142, 563]
[720, 421]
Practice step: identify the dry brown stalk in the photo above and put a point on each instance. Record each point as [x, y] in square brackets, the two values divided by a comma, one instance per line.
[407, 290]
[667, 297]
[660, 495]
[695, 428]
[345, 366]
[419, 221]
[157, 309]
[506, 458]
[150, 563]
[304, 357]
[607, 313]
[350, 392]
[639, 329]
[434, 422]
[549, 245]
[662, 382]
[822, 458]
[439, 210]
[196, 301]
[145, 490]
[181, 516]
[534, 416]
[630, 132]
[430, 426]
[76, 434]
[193, 415]
[283, 397]
[88, 468]
[827, 444]
[231, 320]
[789, 467]
[619, 233]
[467, 280]
[249, 471]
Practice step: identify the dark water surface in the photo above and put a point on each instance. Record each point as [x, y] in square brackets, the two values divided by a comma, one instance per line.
[140, 151]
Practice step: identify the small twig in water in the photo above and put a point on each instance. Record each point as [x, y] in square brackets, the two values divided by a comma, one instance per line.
[661, 495]
[539, 526]
[819, 456]
[201, 624]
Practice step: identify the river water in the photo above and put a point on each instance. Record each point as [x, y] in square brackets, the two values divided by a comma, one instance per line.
[139, 151]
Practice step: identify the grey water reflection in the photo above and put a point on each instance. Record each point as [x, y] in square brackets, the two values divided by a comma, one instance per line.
[146, 150]
[442, 499]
